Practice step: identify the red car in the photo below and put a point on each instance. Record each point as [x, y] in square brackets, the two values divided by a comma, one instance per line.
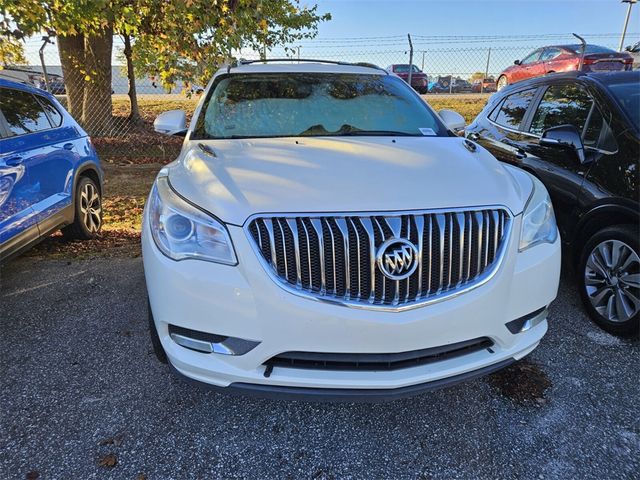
[563, 58]
[487, 85]
[419, 80]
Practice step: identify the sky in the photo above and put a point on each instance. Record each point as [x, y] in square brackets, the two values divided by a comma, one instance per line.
[366, 18]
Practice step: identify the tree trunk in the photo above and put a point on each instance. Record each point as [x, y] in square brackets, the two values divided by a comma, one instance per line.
[134, 116]
[71, 49]
[97, 106]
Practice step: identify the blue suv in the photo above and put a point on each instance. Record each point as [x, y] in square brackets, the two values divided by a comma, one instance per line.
[50, 174]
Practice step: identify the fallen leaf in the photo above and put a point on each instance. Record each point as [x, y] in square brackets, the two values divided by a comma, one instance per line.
[32, 475]
[115, 440]
[108, 461]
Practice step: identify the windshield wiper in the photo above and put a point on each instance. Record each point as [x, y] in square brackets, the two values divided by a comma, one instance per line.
[351, 131]
[381, 133]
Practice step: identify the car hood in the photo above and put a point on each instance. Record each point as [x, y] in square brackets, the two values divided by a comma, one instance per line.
[239, 178]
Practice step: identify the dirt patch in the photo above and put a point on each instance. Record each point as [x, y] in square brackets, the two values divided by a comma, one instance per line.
[137, 148]
[524, 383]
[134, 180]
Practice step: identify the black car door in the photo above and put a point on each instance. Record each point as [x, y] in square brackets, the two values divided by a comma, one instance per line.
[500, 132]
[562, 103]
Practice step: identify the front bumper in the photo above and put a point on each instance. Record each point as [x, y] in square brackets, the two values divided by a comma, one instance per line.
[244, 302]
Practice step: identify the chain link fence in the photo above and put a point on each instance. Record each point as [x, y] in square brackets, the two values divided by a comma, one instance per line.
[450, 65]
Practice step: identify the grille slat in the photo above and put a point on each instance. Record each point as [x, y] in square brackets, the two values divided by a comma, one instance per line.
[344, 231]
[419, 223]
[292, 223]
[334, 256]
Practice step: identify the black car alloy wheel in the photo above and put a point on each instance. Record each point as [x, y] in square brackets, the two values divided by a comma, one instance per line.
[610, 271]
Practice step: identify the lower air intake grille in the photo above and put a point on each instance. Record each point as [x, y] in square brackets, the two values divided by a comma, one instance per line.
[377, 361]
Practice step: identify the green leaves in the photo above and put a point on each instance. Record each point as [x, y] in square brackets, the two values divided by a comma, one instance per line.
[188, 40]
[11, 52]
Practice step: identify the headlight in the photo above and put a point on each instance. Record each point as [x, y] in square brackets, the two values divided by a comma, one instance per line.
[180, 230]
[538, 219]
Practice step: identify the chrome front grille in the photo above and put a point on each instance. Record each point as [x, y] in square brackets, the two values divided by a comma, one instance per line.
[336, 257]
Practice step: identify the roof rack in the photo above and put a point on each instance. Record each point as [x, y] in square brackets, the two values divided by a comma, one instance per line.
[307, 60]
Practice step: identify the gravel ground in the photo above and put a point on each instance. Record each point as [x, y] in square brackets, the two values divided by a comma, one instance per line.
[82, 396]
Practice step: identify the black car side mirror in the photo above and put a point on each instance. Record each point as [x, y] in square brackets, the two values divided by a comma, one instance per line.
[564, 136]
[516, 62]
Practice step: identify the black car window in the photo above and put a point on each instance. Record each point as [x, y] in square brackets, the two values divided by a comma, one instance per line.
[512, 110]
[561, 105]
[54, 114]
[571, 104]
[23, 112]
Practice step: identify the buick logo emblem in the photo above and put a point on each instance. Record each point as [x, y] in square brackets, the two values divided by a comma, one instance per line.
[397, 258]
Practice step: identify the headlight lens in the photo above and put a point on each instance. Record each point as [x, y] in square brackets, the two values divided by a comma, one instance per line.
[538, 220]
[180, 230]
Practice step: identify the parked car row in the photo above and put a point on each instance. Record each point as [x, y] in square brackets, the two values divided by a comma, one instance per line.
[325, 234]
[542, 61]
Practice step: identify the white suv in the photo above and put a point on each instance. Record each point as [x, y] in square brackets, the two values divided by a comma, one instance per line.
[325, 234]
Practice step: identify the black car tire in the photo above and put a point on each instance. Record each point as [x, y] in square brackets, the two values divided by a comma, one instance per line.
[87, 219]
[628, 235]
[155, 338]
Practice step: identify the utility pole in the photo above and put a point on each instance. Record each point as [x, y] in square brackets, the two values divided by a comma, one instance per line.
[410, 58]
[423, 52]
[626, 22]
[298, 53]
[486, 71]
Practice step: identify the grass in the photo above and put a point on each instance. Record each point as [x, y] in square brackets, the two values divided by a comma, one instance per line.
[467, 106]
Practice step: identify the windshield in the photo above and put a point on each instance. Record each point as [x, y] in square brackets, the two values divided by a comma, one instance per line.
[312, 104]
[628, 97]
[590, 49]
[405, 69]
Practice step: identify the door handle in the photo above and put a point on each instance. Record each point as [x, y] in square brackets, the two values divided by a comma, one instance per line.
[13, 161]
[68, 146]
[521, 154]
[473, 136]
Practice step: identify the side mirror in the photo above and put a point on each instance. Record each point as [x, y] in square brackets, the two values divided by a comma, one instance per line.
[628, 48]
[564, 136]
[453, 120]
[173, 122]
[516, 62]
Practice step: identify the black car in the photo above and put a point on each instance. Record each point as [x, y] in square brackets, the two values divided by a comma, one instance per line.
[580, 135]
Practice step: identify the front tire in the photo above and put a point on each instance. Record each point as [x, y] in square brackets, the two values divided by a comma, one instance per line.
[88, 211]
[503, 81]
[609, 279]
